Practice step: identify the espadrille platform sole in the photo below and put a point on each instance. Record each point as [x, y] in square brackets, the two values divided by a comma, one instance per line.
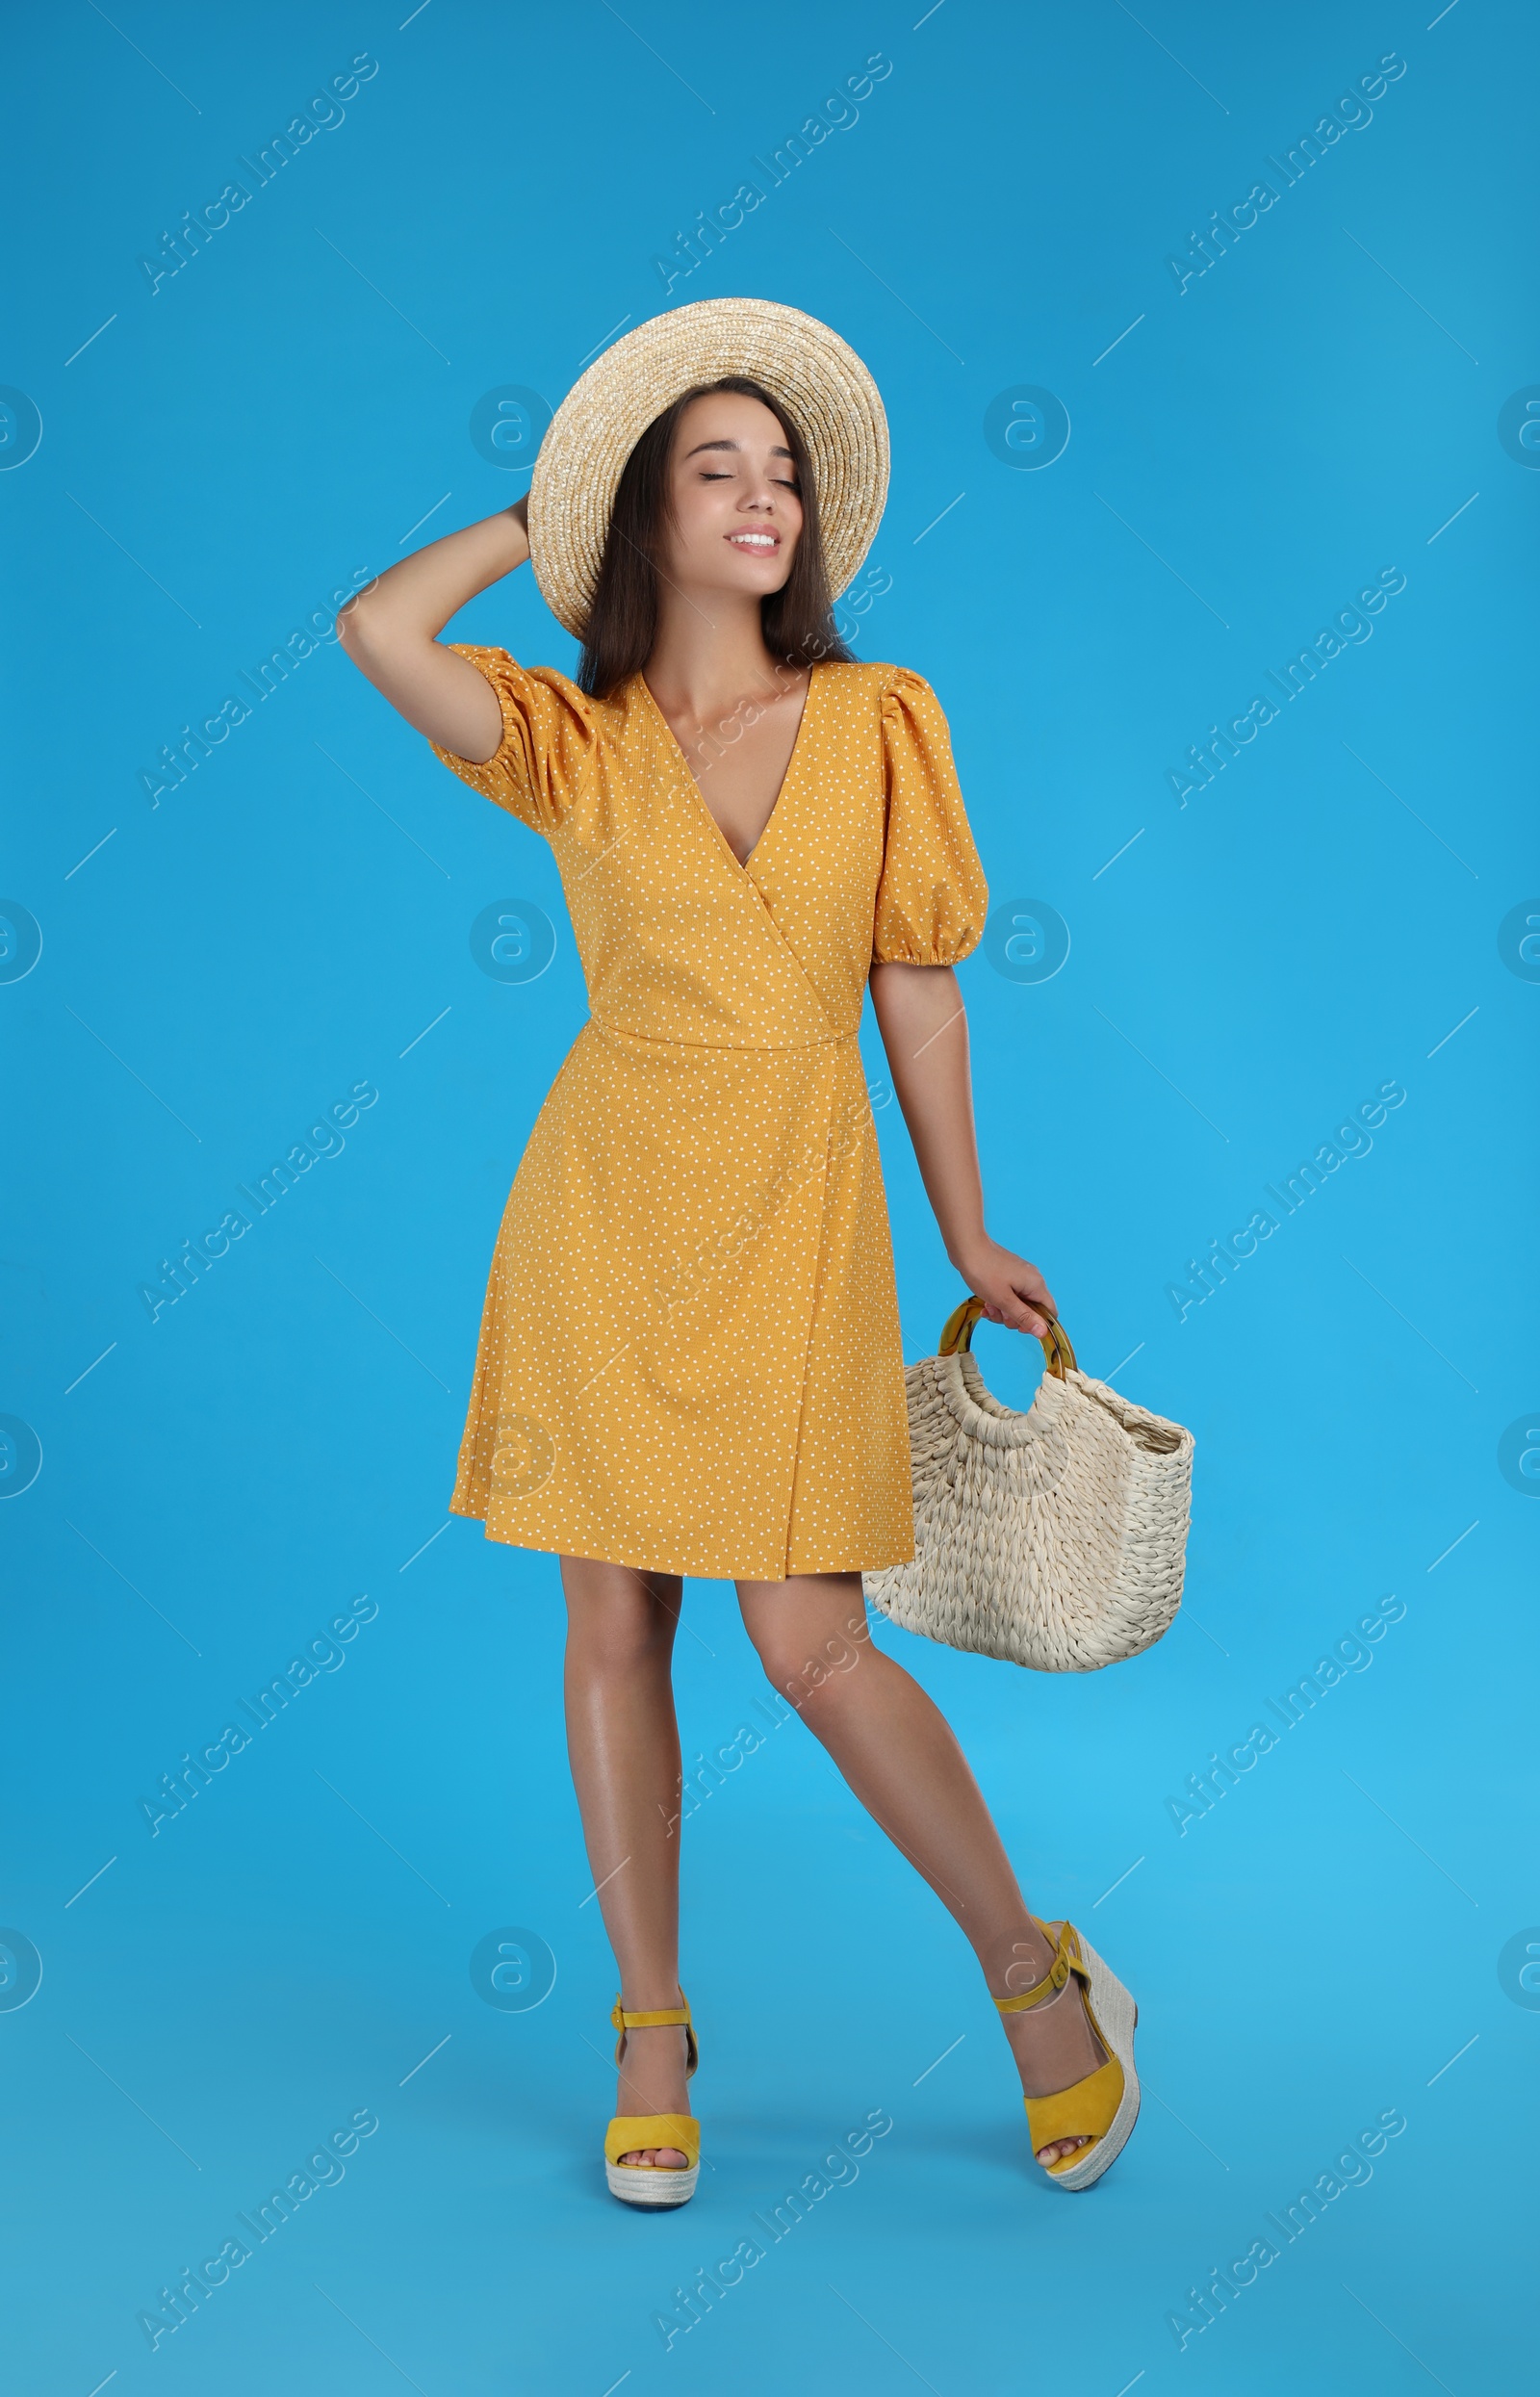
[655, 2184]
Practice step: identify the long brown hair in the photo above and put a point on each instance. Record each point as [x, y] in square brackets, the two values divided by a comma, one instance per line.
[797, 620]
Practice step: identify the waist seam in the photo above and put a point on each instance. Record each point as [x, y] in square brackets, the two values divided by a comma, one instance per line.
[763, 1048]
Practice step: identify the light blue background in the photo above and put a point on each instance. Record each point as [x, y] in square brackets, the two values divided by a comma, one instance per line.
[218, 459]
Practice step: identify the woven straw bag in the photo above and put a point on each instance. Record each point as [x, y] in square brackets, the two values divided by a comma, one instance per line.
[1054, 1538]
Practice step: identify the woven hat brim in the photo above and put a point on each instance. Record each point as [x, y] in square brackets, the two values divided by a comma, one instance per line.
[802, 364]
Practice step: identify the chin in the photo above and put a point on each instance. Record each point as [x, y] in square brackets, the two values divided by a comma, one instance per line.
[760, 581]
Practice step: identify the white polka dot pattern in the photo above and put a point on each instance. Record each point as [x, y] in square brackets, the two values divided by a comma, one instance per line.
[690, 1357]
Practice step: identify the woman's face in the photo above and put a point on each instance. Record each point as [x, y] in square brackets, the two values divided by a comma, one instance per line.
[736, 511]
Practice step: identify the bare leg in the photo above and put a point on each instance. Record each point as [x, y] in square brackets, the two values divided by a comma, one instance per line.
[900, 1757]
[624, 1745]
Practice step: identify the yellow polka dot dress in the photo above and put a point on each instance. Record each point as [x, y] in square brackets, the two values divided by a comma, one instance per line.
[689, 1358]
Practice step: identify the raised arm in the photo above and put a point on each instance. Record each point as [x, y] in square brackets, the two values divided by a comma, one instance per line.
[925, 1032]
[391, 633]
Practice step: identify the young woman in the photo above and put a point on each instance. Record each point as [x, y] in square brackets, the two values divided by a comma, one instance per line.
[689, 1361]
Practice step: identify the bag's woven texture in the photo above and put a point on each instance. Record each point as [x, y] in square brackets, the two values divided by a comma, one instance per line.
[1054, 1538]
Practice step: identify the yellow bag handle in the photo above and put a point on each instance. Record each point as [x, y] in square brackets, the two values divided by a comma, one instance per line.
[957, 1334]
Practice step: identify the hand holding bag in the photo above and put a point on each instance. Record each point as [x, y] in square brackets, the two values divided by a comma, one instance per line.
[1054, 1538]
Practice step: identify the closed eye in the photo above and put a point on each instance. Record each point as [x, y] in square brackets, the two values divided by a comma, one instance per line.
[710, 475]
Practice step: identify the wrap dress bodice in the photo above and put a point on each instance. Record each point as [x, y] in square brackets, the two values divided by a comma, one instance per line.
[689, 1358]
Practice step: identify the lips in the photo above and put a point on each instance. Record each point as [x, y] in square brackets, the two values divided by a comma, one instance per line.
[758, 544]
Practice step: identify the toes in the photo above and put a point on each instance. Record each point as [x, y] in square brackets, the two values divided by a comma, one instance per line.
[1058, 2149]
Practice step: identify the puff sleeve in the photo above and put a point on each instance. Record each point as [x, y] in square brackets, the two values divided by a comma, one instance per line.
[931, 897]
[548, 739]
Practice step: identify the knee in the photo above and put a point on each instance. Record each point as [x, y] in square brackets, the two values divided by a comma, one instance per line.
[813, 1680]
[619, 1632]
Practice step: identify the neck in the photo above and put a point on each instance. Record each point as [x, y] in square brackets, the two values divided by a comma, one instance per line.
[710, 654]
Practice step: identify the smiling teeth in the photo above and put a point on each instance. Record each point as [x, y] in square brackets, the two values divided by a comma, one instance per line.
[752, 540]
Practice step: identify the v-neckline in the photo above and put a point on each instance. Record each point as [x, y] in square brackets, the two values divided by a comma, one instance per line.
[741, 864]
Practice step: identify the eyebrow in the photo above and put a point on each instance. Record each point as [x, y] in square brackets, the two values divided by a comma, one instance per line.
[777, 452]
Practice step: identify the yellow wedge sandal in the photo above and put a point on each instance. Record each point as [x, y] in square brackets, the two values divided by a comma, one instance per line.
[654, 2184]
[1103, 2107]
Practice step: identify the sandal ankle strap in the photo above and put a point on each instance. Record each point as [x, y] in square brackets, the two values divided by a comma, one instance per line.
[659, 2018]
[1065, 1960]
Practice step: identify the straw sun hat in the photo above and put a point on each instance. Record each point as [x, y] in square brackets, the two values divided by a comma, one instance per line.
[815, 377]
